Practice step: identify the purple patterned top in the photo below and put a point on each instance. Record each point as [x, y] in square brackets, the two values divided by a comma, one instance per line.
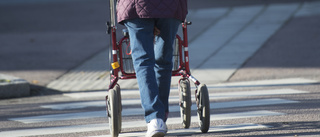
[130, 9]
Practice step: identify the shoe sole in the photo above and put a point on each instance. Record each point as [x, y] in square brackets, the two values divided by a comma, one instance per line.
[158, 134]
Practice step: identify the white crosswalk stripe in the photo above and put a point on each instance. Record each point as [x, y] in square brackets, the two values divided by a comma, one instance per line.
[263, 83]
[172, 99]
[174, 107]
[172, 120]
[216, 105]
[132, 124]
[226, 40]
[139, 111]
[181, 132]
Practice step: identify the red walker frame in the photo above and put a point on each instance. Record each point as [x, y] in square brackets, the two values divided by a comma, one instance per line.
[183, 70]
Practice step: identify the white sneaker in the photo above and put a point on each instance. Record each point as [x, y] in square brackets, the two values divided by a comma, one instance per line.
[156, 128]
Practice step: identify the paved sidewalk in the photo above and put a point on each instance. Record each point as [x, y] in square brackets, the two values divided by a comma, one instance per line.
[221, 39]
[219, 45]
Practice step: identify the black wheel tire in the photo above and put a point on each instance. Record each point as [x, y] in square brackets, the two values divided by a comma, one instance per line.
[185, 107]
[204, 108]
[113, 108]
[117, 88]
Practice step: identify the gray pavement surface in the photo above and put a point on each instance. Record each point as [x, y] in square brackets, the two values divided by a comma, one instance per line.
[260, 60]
[42, 45]
[291, 52]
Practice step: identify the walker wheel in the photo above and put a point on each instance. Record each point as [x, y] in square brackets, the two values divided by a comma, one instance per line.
[114, 109]
[185, 102]
[203, 108]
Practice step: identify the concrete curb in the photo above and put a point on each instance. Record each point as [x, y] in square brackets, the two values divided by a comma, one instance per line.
[12, 87]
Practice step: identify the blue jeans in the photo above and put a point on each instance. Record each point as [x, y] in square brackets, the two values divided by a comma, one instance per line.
[152, 61]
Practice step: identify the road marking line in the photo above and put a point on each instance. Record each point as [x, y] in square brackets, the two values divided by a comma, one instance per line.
[180, 132]
[80, 105]
[275, 82]
[132, 124]
[242, 94]
[272, 82]
[218, 105]
[139, 111]
[172, 99]
[100, 94]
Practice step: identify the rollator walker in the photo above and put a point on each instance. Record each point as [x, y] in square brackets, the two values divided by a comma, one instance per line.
[121, 62]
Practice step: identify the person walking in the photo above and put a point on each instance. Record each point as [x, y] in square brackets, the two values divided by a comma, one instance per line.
[152, 27]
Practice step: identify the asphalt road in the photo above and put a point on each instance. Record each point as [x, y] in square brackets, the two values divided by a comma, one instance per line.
[275, 92]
